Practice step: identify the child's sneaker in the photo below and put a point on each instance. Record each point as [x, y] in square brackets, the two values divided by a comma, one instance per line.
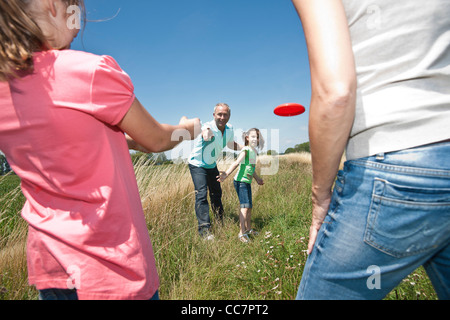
[244, 238]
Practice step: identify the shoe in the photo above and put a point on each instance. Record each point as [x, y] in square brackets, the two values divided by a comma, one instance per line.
[244, 238]
[252, 232]
[209, 237]
[205, 234]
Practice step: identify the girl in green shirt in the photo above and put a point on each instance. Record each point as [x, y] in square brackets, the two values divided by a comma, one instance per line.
[243, 179]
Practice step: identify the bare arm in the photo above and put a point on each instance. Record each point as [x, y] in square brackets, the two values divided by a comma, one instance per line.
[153, 136]
[133, 145]
[258, 179]
[224, 174]
[333, 81]
[233, 145]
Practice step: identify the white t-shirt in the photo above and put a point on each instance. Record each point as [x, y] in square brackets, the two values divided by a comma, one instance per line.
[402, 54]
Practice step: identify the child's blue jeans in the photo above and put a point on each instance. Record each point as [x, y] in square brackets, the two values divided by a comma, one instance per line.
[389, 215]
[244, 192]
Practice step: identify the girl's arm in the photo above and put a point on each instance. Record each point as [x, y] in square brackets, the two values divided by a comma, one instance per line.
[132, 145]
[333, 82]
[224, 174]
[258, 179]
[153, 136]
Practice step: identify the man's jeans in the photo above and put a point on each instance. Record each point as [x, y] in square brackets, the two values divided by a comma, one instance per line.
[389, 215]
[205, 179]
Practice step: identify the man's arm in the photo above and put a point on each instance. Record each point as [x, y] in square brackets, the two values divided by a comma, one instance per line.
[333, 83]
[233, 145]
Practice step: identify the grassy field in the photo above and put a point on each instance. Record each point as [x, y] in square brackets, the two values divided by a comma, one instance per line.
[269, 267]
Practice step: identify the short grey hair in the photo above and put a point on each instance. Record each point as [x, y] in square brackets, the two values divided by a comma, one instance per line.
[222, 105]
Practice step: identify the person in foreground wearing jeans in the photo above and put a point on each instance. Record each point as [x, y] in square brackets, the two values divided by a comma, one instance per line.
[380, 74]
[215, 135]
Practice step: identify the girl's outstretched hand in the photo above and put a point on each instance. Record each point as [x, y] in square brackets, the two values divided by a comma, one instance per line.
[222, 176]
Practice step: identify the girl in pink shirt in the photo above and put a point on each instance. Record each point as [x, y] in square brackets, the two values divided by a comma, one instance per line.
[62, 123]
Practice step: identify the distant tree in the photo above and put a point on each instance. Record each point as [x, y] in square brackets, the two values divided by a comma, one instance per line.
[290, 150]
[159, 158]
[303, 147]
[2, 161]
[4, 165]
[272, 153]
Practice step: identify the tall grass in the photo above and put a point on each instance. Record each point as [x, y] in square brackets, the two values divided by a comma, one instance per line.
[13, 230]
[269, 267]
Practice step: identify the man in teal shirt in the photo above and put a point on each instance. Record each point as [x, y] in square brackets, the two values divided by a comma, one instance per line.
[215, 135]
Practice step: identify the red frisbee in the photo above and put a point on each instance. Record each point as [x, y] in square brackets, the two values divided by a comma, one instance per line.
[289, 110]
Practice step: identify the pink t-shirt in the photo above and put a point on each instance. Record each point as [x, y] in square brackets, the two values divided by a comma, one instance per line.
[86, 223]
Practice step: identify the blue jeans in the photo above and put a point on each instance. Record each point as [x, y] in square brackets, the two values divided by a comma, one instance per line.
[389, 214]
[67, 294]
[58, 294]
[244, 192]
[206, 179]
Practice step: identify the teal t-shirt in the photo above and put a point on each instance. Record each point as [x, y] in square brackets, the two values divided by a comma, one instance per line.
[205, 153]
[247, 167]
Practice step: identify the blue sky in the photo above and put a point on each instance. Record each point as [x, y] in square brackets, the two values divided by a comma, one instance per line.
[186, 56]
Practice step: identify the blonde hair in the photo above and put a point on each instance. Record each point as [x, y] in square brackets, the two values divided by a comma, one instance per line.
[258, 133]
[20, 36]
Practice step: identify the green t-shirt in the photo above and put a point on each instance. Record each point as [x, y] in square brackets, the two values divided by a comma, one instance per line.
[247, 167]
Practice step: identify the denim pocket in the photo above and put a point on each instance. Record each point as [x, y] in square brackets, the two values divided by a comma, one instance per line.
[405, 220]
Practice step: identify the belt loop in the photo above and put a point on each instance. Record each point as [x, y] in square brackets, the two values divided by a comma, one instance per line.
[380, 156]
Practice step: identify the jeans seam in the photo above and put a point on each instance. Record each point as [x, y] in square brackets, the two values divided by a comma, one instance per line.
[416, 203]
[402, 169]
[305, 280]
[437, 276]
[315, 253]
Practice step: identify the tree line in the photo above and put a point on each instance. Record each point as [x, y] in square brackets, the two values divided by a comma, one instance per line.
[303, 147]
